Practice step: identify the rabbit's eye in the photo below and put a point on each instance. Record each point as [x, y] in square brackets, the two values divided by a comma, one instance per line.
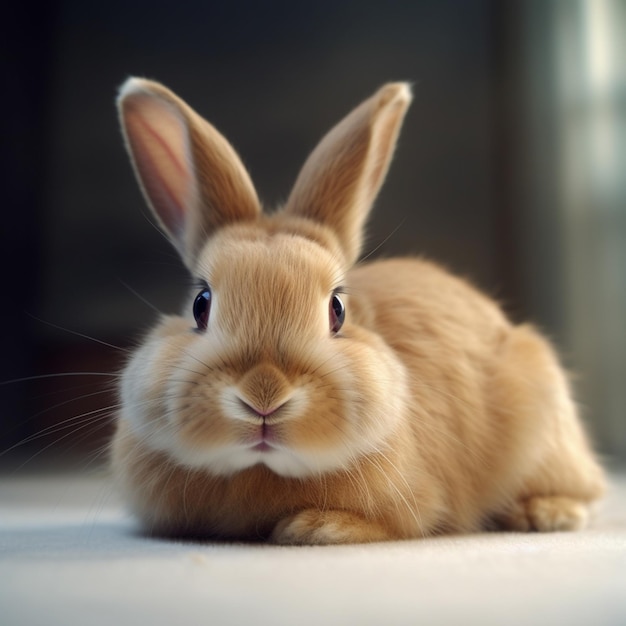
[337, 312]
[202, 307]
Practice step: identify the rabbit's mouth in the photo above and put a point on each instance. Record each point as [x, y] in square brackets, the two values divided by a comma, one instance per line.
[265, 438]
[262, 446]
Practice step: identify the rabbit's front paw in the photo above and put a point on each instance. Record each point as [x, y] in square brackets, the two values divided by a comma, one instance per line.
[315, 527]
[546, 514]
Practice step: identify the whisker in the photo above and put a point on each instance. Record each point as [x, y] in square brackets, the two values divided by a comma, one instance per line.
[65, 402]
[83, 419]
[58, 375]
[57, 441]
[29, 419]
[78, 334]
[384, 241]
[140, 297]
[413, 510]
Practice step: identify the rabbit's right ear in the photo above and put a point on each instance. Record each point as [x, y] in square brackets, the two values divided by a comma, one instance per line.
[341, 178]
[190, 175]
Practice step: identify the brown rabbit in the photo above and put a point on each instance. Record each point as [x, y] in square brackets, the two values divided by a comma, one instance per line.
[303, 399]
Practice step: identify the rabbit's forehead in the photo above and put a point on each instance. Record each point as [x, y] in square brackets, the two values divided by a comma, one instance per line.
[278, 264]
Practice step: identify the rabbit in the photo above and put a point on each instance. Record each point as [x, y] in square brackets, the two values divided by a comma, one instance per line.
[302, 397]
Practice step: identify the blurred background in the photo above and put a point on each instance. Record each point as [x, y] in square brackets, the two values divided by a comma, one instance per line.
[510, 171]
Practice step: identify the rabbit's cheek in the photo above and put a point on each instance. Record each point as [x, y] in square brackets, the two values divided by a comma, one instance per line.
[146, 394]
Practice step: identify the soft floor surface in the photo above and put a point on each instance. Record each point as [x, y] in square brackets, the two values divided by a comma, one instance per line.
[69, 555]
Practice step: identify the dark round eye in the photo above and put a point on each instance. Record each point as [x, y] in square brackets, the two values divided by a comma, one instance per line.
[337, 312]
[202, 307]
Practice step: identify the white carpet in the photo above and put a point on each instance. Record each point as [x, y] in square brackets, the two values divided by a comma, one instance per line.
[69, 555]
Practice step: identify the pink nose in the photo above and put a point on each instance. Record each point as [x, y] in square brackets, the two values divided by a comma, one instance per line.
[260, 412]
[263, 389]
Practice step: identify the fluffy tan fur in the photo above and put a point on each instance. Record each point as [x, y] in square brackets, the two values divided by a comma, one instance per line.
[427, 412]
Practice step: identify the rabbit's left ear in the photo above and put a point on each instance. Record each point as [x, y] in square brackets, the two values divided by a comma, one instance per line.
[190, 175]
[341, 178]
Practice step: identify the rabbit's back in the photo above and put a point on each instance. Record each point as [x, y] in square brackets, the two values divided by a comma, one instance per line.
[489, 400]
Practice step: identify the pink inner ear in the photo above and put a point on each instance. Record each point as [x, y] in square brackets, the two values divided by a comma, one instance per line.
[158, 141]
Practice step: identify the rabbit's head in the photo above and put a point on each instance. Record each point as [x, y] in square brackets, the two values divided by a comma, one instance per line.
[269, 362]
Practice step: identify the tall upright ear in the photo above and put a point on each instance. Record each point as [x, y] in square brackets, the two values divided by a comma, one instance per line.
[341, 178]
[190, 175]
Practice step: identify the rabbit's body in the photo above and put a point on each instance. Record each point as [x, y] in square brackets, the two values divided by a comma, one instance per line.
[426, 411]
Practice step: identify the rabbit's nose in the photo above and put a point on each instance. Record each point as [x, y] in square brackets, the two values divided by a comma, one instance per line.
[264, 389]
[258, 412]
